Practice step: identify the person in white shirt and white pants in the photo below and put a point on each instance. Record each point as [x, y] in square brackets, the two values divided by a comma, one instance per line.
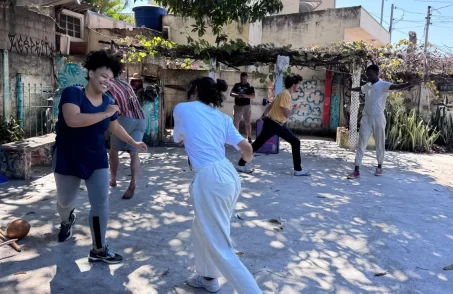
[373, 118]
[204, 131]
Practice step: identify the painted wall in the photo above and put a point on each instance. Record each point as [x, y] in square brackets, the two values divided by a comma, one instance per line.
[335, 103]
[310, 101]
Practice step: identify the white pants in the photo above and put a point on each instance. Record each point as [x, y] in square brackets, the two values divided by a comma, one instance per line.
[371, 126]
[214, 191]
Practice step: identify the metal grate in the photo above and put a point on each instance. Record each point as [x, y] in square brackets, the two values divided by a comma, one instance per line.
[35, 109]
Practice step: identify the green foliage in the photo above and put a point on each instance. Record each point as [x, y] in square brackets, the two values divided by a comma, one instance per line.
[112, 8]
[407, 133]
[149, 47]
[217, 13]
[10, 131]
[442, 121]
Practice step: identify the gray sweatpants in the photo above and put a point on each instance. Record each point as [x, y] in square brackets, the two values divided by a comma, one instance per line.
[371, 126]
[98, 195]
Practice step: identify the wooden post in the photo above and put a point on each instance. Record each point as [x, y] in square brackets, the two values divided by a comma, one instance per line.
[327, 94]
[213, 69]
[355, 104]
[280, 67]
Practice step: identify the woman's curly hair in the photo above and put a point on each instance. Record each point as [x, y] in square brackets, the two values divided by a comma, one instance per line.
[101, 58]
[208, 91]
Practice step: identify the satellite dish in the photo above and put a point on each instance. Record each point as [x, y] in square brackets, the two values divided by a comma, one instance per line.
[308, 6]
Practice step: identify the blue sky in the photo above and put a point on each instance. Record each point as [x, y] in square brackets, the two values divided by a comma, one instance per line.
[409, 15]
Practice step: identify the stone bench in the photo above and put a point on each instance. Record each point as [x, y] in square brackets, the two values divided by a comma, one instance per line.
[17, 158]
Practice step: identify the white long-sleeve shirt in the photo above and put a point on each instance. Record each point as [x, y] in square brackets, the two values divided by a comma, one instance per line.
[205, 131]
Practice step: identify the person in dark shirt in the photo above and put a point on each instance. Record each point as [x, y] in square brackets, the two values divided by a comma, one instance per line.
[85, 114]
[243, 92]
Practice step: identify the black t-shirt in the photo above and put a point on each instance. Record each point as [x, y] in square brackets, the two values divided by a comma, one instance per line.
[245, 89]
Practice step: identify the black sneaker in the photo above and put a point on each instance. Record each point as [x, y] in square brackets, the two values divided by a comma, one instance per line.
[107, 256]
[66, 228]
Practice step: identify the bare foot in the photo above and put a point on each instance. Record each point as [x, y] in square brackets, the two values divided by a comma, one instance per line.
[112, 183]
[129, 193]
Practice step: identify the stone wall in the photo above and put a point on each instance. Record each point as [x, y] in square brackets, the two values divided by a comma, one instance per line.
[29, 39]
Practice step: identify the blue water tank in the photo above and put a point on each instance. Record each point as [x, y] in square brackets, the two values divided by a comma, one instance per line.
[149, 16]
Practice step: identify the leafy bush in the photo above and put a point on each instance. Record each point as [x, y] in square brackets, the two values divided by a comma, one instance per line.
[442, 121]
[10, 131]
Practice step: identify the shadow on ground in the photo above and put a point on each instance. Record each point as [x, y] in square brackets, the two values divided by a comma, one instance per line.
[335, 235]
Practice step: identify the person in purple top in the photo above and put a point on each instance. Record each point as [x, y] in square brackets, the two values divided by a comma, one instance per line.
[85, 114]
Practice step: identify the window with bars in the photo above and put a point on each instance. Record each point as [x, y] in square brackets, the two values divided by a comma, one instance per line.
[70, 25]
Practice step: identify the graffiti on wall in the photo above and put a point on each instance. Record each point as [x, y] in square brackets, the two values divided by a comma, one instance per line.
[151, 111]
[28, 45]
[335, 100]
[310, 101]
[69, 74]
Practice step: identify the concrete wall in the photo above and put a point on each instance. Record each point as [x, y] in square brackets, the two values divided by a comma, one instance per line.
[95, 20]
[29, 38]
[321, 27]
[306, 29]
[181, 28]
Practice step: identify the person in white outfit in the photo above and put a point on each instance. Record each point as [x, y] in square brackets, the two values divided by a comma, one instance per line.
[373, 119]
[204, 131]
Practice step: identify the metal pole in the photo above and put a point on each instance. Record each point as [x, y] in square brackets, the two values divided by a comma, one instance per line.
[6, 102]
[391, 22]
[20, 100]
[213, 68]
[382, 11]
[355, 104]
[425, 50]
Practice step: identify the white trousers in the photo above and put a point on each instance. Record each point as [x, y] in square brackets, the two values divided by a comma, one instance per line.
[214, 191]
[371, 126]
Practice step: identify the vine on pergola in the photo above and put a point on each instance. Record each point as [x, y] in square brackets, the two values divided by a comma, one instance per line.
[397, 62]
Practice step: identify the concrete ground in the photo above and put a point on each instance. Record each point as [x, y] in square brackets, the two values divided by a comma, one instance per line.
[392, 234]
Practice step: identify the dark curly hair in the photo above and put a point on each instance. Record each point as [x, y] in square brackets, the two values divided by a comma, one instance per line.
[102, 58]
[374, 68]
[291, 80]
[208, 91]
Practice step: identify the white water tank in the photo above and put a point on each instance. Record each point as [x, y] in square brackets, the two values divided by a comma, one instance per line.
[308, 5]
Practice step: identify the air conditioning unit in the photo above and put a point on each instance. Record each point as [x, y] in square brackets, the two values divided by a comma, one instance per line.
[166, 33]
[65, 44]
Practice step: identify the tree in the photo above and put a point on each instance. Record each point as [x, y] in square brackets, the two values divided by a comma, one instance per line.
[112, 8]
[218, 13]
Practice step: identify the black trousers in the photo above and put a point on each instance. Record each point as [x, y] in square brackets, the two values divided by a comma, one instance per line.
[272, 128]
